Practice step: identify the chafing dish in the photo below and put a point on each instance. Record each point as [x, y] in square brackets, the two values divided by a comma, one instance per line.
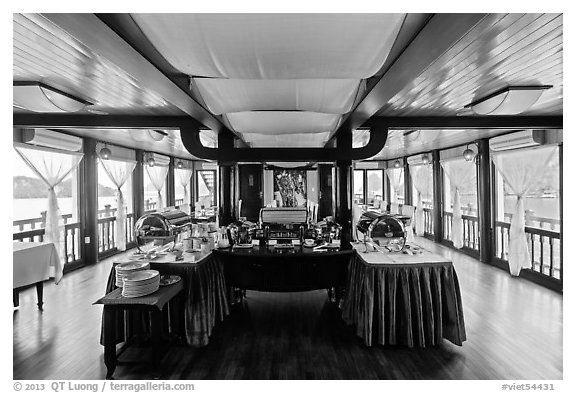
[384, 230]
[160, 228]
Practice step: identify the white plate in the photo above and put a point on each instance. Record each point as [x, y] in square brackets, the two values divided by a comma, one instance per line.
[141, 275]
[129, 266]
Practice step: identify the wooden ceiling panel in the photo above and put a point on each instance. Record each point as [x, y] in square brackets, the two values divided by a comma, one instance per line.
[43, 52]
[502, 50]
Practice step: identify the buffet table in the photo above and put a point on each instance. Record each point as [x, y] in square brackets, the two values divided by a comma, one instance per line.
[33, 264]
[284, 270]
[400, 299]
[204, 299]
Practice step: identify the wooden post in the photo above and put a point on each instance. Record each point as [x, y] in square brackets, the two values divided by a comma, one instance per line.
[438, 205]
[89, 202]
[226, 186]
[407, 183]
[170, 190]
[344, 191]
[138, 186]
[484, 201]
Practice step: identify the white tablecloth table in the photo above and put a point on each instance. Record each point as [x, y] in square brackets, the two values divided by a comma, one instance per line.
[34, 263]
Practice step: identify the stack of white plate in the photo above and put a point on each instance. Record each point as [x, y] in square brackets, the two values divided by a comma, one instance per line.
[141, 283]
[128, 267]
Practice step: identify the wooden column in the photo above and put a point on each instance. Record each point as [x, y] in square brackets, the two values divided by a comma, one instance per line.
[344, 190]
[484, 201]
[561, 160]
[170, 190]
[227, 184]
[407, 183]
[438, 196]
[226, 194]
[89, 203]
[138, 185]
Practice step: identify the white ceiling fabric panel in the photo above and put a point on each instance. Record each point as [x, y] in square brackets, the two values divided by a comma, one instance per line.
[282, 123]
[314, 95]
[273, 46]
[291, 140]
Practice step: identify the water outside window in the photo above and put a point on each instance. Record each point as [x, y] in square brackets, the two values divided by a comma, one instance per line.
[359, 187]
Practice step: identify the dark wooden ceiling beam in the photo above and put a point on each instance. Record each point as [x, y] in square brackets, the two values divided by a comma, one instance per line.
[39, 120]
[440, 33]
[191, 140]
[100, 38]
[473, 122]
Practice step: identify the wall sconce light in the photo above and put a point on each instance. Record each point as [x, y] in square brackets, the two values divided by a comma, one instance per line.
[105, 153]
[179, 165]
[468, 154]
[510, 100]
[39, 97]
[397, 164]
[425, 159]
[150, 161]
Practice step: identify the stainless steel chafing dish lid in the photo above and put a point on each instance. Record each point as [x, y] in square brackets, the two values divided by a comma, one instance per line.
[378, 225]
[161, 224]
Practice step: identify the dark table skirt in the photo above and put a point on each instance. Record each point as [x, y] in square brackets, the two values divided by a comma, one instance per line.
[416, 305]
[193, 314]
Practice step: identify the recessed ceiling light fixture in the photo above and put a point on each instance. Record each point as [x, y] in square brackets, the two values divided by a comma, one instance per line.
[39, 97]
[510, 100]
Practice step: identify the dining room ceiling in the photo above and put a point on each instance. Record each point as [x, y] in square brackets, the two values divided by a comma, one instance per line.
[286, 80]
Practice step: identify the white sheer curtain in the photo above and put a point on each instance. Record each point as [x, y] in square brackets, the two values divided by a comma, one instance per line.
[521, 170]
[157, 175]
[462, 175]
[184, 176]
[422, 180]
[396, 176]
[119, 172]
[52, 166]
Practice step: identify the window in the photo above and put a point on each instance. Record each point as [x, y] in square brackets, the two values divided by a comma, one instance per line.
[182, 181]
[374, 185]
[154, 178]
[396, 177]
[206, 188]
[359, 187]
[423, 195]
[460, 192]
[30, 208]
[536, 173]
[114, 225]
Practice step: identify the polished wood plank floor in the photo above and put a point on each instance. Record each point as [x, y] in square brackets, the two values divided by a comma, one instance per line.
[514, 330]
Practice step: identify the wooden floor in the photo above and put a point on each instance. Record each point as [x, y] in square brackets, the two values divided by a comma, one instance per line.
[514, 330]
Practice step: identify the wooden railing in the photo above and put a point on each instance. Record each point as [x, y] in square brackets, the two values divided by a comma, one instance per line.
[71, 240]
[470, 230]
[428, 221]
[107, 229]
[544, 246]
